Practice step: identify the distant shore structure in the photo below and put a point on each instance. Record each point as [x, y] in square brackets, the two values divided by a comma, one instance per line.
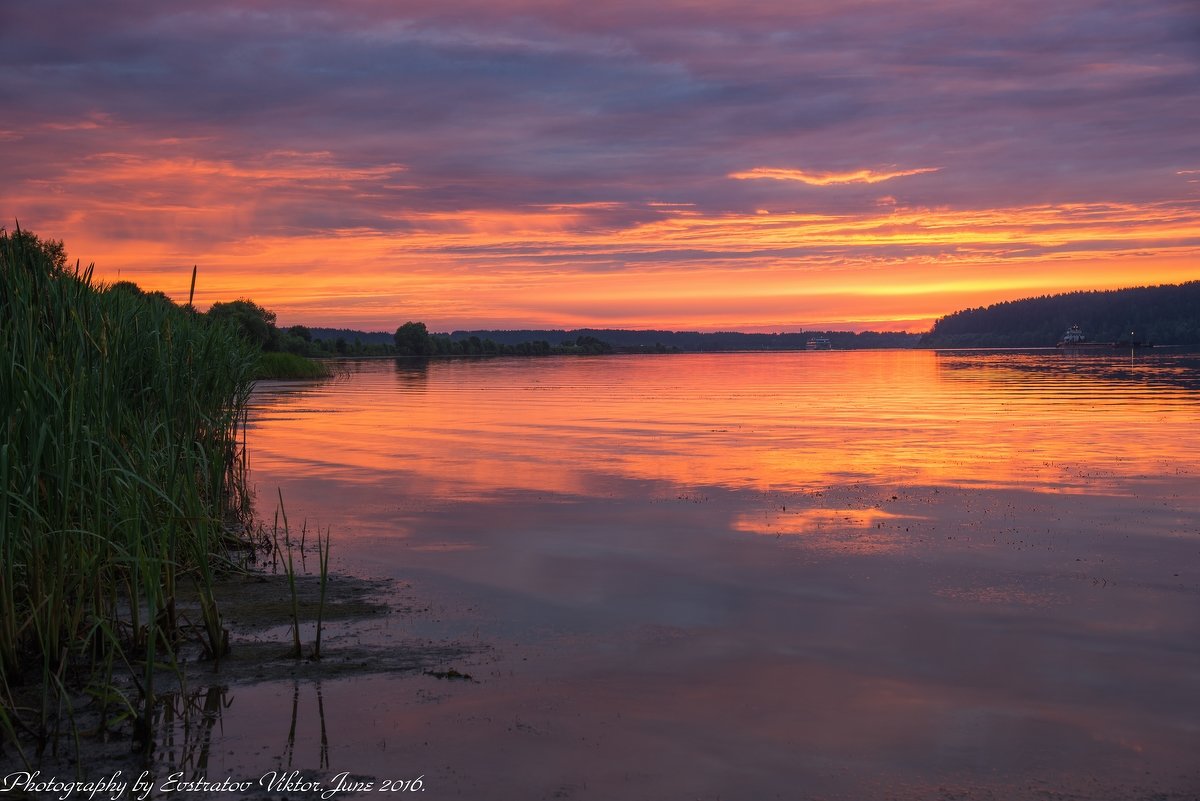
[819, 343]
[1074, 336]
[1074, 339]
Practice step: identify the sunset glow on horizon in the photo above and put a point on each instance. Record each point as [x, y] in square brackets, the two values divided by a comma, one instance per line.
[527, 165]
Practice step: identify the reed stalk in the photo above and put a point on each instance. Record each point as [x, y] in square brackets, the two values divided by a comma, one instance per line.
[290, 568]
[323, 555]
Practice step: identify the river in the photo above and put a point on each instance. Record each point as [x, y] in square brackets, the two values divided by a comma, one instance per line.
[836, 575]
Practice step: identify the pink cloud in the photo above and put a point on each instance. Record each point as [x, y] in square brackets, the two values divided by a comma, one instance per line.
[828, 178]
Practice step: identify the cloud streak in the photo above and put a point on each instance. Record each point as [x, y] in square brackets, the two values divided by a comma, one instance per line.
[827, 178]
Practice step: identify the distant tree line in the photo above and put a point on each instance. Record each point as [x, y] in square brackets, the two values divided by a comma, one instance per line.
[350, 335]
[414, 339]
[330, 342]
[1167, 314]
[694, 341]
[259, 325]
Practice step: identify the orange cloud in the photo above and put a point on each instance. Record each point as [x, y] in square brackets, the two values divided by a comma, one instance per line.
[827, 178]
[549, 266]
[364, 256]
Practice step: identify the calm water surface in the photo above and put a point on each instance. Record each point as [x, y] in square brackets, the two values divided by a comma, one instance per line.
[790, 575]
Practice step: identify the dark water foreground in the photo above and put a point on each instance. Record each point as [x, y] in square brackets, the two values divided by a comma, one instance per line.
[810, 575]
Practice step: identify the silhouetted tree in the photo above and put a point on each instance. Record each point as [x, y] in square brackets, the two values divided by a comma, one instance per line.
[412, 339]
[50, 252]
[254, 322]
[126, 286]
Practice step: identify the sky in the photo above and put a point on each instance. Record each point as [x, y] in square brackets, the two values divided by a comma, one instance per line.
[684, 164]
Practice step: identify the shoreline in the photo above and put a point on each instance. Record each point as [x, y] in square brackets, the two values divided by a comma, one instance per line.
[256, 608]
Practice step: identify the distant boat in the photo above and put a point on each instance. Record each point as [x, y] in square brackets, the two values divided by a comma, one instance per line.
[1074, 339]
[819, 343]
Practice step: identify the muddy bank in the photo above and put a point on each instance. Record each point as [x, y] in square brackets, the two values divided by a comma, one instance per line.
[194, 693]
[258, 611]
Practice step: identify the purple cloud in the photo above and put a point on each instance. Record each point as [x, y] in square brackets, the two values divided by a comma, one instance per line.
[399, 111]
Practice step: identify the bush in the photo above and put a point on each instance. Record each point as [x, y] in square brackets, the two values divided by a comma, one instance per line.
[274, 365]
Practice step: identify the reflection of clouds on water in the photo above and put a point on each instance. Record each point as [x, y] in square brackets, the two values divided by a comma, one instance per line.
[746, 568]
[474, 429]
[844, 529]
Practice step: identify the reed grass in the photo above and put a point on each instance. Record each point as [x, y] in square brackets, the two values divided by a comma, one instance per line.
[119, 469]
[289, 567]
[282, 556]
[276, 365]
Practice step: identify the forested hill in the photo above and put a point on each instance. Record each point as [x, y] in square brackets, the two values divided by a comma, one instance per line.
[351, 335]
[1163, 315]
[697, 341]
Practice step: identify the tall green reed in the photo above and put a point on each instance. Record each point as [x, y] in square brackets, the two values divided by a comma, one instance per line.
[119, 455]
[281, 555]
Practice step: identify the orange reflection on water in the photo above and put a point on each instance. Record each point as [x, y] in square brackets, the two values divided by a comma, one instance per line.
[606, 522]
[781, 422]
[838, 529]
